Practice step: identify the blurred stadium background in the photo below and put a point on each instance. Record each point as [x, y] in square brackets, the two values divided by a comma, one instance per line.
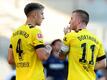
[57, 14]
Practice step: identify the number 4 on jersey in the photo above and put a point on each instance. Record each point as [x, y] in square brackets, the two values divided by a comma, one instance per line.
[18, 49]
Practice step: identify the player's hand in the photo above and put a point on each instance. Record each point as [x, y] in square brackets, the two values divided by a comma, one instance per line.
[48, 49]
[64, 49]
[66, 30]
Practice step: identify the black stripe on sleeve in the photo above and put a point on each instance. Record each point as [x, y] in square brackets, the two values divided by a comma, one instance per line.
[100, 58]
[39, 46]
[10, 46]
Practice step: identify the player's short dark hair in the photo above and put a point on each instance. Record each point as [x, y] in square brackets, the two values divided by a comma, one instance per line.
[56, 40]
[32, 6]
[83, 14]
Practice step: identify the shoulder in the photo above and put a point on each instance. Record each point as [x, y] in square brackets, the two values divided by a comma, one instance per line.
[15, 30]
[70, 35]
[96, 38]
[36, 29]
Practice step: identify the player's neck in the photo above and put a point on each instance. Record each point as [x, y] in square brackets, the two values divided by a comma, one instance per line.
[30, 22]
[80, 27]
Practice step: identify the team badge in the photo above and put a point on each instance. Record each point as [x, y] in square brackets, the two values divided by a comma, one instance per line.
[39, 36]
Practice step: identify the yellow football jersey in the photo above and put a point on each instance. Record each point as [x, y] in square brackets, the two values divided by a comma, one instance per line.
[24, 40]
[85, 51]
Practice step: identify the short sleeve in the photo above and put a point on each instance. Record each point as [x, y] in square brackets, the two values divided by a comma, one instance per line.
[67, 38]
[10, 46]
[101, 53]
[37, 39]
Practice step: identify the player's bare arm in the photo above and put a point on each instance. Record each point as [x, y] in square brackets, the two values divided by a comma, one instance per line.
[10, 56]
[66, 30]
[100, 64]
[63, 52]
[44, 53]
[62, 55]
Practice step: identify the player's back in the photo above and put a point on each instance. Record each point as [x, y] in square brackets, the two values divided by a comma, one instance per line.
[84, 50]
[28, 66]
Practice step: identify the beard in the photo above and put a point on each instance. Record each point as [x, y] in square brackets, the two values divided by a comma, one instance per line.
[72, 27]
[38, 24]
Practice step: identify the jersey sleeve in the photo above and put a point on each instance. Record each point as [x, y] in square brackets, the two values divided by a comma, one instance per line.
[37, 39]
[101, 53]
[10, 46]
[67, 38]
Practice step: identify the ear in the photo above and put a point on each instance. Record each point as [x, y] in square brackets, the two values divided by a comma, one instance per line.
[79, 20]
[34, 14]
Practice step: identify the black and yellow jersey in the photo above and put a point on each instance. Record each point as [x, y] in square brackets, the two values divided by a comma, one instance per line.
[85, 50]
[24, 41]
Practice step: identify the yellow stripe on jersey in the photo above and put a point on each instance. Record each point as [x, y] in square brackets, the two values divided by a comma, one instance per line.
[85, 49]
[28, 65]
